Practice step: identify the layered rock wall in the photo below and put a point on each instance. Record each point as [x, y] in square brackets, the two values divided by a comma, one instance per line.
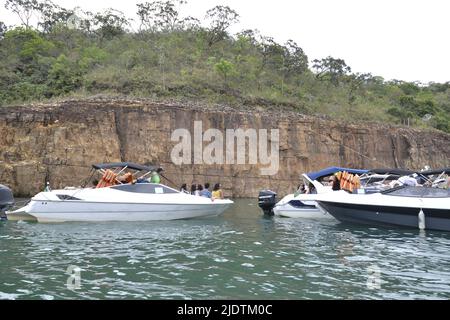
[59, 142]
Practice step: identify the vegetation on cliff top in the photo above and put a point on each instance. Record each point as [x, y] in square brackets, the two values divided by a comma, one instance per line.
[57, 52]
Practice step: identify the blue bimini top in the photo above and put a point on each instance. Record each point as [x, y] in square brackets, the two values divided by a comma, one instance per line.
[332, 170]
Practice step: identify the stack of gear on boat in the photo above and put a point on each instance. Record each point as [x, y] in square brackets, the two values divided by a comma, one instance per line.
[110, 178]
[348, 181]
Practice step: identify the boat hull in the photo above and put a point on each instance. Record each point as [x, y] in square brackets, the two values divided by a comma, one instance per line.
[288, 211]
[63, 211]
[435, 219]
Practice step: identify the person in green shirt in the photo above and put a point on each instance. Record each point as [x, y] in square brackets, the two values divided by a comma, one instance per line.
[155, 178]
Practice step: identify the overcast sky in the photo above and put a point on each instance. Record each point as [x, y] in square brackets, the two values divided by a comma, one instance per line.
[396, 39]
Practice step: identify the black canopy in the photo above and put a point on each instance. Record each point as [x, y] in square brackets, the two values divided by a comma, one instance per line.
[403, 172]
[131, 165]
[400, 172]
[435, 171]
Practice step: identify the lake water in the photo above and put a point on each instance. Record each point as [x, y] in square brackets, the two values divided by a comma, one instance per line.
[239, 255]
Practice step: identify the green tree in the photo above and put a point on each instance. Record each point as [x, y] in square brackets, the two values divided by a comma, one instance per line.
[249, 35]
[53, 15]
[442, 122]
[403, 115]
[357, 81]
[425, 107]
[295, 61]
[331, 69]
[84, 20]
[272, 54]
[3, 29]
[407, 102]
[438, 87]
[409, 88]
[64, 76]
[25, 48]
[24, 9]
[110, 23]
[221, 18]
[224, 68]
[163, 16]
[90, 57]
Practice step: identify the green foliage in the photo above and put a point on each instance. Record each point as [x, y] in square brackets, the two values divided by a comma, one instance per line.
[35, 46]
[111, 23]
[331, 69]
[442, 122]
[75, 52]
[24, 54]
[294, 59]
[224, 68]
[163, 16]
[25, 9]
[91, 57]
[3, 29]
[419, 108]
[53, 16]
[409, 88]
[25, 91]
[64, 76]
[221, 18]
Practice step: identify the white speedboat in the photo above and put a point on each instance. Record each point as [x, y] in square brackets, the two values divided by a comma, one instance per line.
[298, 205]
[407, 206]
[293, 206]
[375, 181]
[118, 202]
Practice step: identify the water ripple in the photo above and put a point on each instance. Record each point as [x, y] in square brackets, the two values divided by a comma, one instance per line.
[240, 255]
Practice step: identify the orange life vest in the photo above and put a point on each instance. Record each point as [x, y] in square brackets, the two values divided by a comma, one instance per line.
[108, 179]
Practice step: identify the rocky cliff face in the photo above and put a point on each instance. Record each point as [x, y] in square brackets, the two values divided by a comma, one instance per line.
[59, 142]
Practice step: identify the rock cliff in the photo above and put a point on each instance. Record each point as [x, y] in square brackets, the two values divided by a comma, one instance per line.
[58, 142]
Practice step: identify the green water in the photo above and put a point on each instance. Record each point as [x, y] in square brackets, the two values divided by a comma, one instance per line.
[239, 255]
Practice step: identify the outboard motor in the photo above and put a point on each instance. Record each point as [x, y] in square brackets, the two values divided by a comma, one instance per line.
[6, 200]
[266, 201]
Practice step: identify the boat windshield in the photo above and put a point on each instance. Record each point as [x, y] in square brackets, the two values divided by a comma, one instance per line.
[152, 188]
[418, 192]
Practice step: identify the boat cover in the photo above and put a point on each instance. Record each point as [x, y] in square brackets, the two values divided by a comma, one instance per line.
[435, 171]
[130, 165]
[399, 172]
[332, 170]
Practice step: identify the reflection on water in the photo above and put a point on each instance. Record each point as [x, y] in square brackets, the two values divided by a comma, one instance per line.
[240, 255]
